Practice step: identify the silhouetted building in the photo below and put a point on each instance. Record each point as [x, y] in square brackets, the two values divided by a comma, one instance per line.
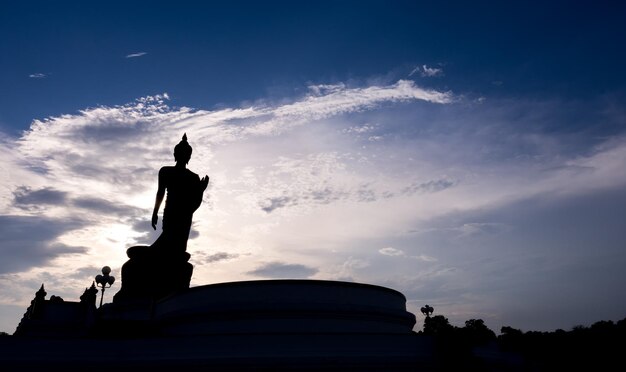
[56, 318]
[253, 325]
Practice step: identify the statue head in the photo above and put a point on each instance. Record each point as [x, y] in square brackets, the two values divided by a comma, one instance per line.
[182, 151]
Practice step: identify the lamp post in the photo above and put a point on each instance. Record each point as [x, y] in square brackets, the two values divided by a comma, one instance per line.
[427, 310]
[103, 280]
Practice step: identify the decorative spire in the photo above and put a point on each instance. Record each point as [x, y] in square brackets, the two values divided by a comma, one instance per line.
[89, 296]
[41, 293]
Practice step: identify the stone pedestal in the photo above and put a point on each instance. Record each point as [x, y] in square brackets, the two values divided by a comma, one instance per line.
[151, 274]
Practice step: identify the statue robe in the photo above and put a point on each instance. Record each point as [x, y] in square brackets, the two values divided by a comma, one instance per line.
[184, 196]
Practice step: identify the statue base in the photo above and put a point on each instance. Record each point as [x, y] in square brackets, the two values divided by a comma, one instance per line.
[151, 274]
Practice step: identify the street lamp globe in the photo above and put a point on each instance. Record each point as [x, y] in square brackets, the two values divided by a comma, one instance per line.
[103, 280]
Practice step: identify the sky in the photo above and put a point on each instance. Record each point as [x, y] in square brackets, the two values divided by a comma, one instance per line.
[471, 155]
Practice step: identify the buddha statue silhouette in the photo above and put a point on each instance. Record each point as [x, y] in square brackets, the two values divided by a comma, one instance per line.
[184, 195]
[168, 253]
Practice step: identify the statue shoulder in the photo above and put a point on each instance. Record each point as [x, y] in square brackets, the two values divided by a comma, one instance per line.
[192, 174]
[166, 170]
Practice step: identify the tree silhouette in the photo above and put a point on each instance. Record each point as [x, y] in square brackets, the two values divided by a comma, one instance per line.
[477, 332]
[437, 325]
[511, 338]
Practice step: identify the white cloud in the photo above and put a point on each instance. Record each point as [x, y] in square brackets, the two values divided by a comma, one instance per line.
[360, 129]
[341, 101]
[350, 269]
[426, 71]
[135, 55]
[425, 258]
[37, 75]
[474, 228]
[431, 71]
[99, 165]
[390, 251]
[320, 89]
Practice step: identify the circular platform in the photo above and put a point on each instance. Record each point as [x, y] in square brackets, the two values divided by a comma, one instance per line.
[284, 306]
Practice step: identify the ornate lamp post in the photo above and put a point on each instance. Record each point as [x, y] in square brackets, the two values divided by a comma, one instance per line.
[103, 280]
[427, 310]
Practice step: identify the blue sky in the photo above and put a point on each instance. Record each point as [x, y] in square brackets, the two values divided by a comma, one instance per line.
[205, 54]
[470, 155]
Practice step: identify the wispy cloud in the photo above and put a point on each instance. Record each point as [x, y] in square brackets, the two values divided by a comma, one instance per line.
[431, 71]
[283, 270]
[32, 241]
[135, 55]
[389, 251]
[25, 196]
[342, 100]
[37, 75]
[393, 252]
[415, 70]
[320, 89]
[64, 175]
[204, 258]
[426, 71]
